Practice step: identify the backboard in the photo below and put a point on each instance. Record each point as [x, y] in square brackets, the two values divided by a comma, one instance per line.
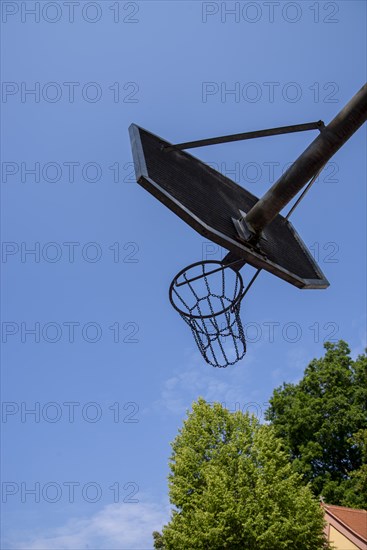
[210, 203]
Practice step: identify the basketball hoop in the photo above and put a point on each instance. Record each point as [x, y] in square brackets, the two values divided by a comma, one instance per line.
[208, 297]
[253, 231]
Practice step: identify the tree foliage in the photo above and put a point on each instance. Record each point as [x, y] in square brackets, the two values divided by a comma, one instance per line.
[233, 487]
[323, 422]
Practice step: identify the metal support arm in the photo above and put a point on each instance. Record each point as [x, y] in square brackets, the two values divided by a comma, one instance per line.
[311, 161]
[319, 125]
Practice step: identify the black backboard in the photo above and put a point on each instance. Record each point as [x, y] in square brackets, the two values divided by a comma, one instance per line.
[209, 202]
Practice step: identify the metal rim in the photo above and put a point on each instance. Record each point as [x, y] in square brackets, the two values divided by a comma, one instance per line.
[230, 306]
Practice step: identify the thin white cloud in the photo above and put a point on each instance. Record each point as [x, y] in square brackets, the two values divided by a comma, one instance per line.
[197, 378]
[116, 527]
[297, 360]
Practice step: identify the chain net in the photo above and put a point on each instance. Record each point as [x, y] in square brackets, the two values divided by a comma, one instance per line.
[208, 297]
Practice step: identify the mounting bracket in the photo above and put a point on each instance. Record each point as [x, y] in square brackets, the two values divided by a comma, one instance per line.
[319, 125]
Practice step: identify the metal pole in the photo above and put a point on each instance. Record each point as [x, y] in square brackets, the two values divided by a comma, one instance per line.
[335, 134]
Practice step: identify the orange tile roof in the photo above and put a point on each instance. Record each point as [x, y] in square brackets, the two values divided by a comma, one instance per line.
[353, 519]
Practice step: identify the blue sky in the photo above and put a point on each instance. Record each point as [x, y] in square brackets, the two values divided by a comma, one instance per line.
[110, 368]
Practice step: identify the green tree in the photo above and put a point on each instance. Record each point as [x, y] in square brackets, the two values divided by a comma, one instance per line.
[323, 422]
[233, 487]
